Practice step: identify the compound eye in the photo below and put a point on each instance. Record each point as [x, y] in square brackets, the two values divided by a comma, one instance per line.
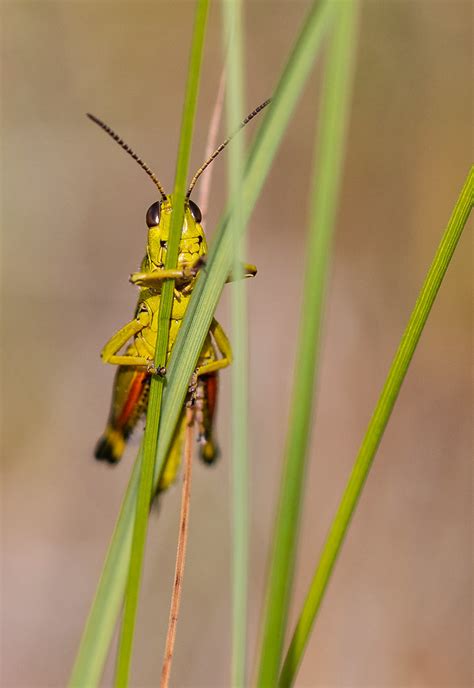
[195, 212]
[153, 214]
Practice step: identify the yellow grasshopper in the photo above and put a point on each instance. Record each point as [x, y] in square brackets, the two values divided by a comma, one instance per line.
[132, 348]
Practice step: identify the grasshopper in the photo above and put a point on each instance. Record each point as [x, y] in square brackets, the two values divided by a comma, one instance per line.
[132, 348]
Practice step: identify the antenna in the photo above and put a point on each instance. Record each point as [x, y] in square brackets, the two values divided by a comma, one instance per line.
[223, 145]
[127, 148]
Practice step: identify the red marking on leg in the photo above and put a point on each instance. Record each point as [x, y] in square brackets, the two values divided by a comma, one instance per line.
[134, 394]
[212, 387]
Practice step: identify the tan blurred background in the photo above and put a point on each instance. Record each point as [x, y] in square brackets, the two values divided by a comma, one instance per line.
[397, 613]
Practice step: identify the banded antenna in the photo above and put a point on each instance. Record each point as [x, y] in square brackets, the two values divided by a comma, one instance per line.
[223, 145]
[127, 148]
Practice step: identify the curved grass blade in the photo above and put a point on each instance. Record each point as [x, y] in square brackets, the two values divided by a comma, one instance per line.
[212, 278]
[376, 429]
[100, 624]
[327, 175]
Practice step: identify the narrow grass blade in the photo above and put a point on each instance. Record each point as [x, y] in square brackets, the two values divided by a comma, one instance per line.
[150, 443]
[212, 278]
[234, 102]
[326, 182]
[100, 625]
[376, 429]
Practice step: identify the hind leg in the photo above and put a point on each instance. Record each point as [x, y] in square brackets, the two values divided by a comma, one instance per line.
[129, 402]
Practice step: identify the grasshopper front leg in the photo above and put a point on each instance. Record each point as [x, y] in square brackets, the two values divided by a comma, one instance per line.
[120, 338]
[246, 270]
[224, 348]
[153, 279]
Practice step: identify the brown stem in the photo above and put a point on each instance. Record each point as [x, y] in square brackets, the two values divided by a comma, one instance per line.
[181, 552]
[211, 144]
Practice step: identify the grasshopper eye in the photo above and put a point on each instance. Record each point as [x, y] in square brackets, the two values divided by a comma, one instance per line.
[195, 212]
[153, 214]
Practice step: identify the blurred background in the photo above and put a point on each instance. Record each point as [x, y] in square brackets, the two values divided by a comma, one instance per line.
[397, 612]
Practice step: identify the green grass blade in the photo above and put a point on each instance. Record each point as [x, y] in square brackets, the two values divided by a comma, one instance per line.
[150, 442]
[100, 625]
[234, 108]
[212, 278]
[326, 182]
[376, 429]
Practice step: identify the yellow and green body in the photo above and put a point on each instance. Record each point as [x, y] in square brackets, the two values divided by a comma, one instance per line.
[132, 348]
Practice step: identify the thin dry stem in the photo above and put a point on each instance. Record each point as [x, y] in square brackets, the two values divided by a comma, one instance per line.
[180, 553]
[211, 144]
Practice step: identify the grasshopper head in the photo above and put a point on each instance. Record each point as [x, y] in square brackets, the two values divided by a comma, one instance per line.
[193, 241]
